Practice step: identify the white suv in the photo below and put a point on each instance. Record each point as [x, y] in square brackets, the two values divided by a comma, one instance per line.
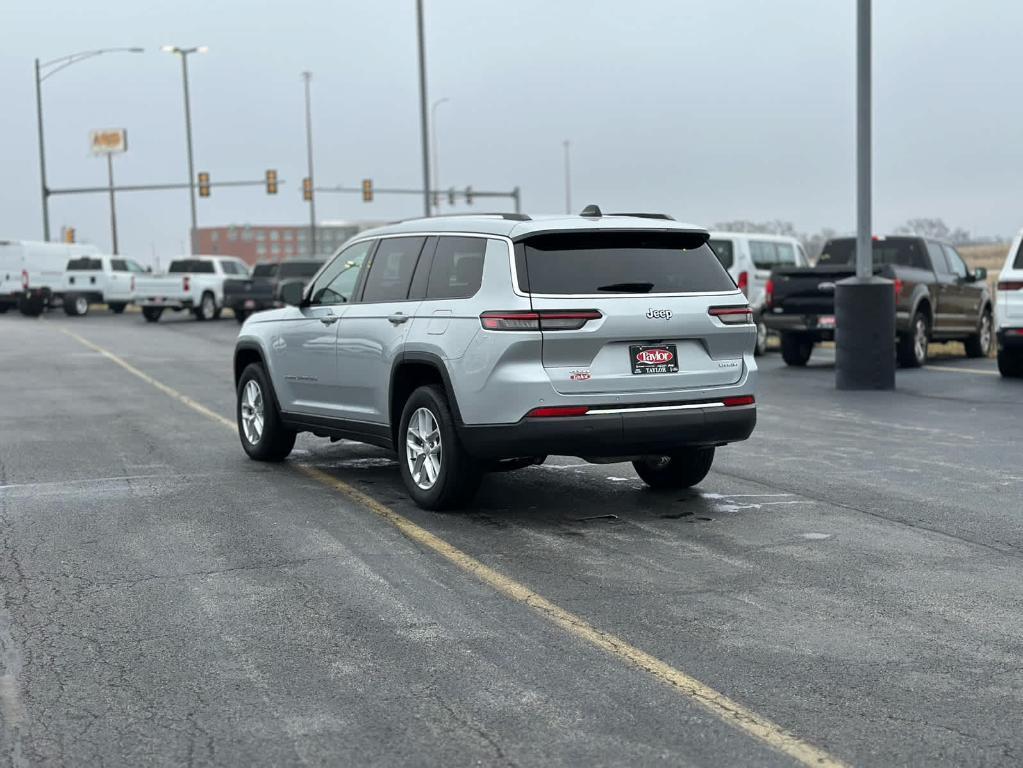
[480, 343]
[1009, 312]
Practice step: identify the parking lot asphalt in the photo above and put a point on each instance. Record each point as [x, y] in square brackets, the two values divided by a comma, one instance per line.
[851, 574]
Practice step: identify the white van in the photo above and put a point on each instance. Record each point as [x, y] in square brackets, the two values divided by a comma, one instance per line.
[749, 259]
[98, 279]
[32, 273]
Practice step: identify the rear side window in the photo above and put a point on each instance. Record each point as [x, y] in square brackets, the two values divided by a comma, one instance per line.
[767, 254]
[264, 270]
[1018, 263]
[899, 251]
[457, 270]
[724, 250]
[290, 269]
[84, 263]
[390, 273]
[194, 266]
[564, 263]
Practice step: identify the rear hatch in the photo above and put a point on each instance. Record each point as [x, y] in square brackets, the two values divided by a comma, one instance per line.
[630, 311]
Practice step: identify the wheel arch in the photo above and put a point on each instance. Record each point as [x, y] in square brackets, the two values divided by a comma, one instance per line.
[413, 370]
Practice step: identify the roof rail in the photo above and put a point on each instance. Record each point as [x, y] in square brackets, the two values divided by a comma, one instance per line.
[506, 216]
[663, 216]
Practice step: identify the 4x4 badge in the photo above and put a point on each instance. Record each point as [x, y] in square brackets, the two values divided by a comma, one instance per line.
[655, 314]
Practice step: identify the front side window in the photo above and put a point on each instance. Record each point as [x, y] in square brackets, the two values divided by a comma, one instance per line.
[724, 250]
[264, 270]
[955, 262]
[118, 265]
[390, 273]
[337, 282]
[457, 270]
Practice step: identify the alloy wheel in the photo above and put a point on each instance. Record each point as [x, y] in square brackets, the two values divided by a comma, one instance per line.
[423, 450]
[252, 412]
[81, 305]
[985, 334]
[920, 340]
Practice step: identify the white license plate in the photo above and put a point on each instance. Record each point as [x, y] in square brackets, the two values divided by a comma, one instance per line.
[250, 304]
[826, 321]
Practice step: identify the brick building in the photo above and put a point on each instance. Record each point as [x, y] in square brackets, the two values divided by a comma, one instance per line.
[255, 243]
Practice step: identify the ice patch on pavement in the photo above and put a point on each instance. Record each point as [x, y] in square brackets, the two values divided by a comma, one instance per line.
[816, 536]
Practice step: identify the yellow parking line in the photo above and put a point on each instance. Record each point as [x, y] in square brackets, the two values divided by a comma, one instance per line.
[716, 703]
[950, 369]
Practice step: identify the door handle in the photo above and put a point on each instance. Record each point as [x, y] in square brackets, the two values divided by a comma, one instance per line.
[398, 318]
[329, 319]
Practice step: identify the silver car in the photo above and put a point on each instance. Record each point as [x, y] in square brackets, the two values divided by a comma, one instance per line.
[488, 342]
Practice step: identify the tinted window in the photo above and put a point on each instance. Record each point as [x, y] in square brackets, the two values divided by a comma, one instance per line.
[232, 268]
[337, 283]
[390, 274]
[767, 254]
[937, 258]
[84, 263]
[299, 269]
[194, 266]
[457, 270]
[134, 266]
[724, 250]
[955, 262]
[901, 251]
[619, 262]
[264, 270]
[118, 265]
[1018, 263]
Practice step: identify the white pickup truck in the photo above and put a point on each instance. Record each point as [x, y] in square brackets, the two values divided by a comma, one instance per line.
[99, 279]
[195, 283]
[32, 273]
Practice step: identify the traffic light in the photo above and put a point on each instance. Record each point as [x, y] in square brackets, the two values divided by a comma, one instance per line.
[367, 190]
[468, 195]
[307, 189]
[204, 184]
[271, 182]
[69, 234]
[451, 196]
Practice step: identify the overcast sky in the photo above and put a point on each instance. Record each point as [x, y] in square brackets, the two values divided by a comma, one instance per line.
[708, 110]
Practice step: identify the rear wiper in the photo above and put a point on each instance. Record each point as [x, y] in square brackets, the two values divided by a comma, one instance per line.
[627, 287]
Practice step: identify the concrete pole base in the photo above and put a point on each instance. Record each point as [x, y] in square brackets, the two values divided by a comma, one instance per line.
[865, 334]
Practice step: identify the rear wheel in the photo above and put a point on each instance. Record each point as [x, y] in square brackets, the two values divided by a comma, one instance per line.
[31, 307]
[796, 348]
[761, 347]
[152, 314]
[207, 309]
[1010, 364]
[979, 344]
[264, 436]
[76, 305]
[437, 471]
[911, 349]
[678, 470]
[117, 307]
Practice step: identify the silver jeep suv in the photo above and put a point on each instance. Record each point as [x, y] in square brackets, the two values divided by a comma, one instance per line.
[487, 342]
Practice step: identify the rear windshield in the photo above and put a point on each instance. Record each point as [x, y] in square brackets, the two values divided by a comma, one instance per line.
[299, 268]
[264, 270]
[619, 262]
[900, 251]
[83, 263]
[191, 265]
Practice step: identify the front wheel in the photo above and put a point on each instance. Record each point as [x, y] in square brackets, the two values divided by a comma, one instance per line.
[979, 344]
[1010, 365]
[436, 469]
[678, 470]
[796, 349]
[152, 314]
[264, 436]
[911, 349]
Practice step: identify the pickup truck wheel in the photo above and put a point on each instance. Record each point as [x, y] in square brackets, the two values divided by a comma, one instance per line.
[796, 349]
[679, 470]
[979, 345]
[4, 308]
[76, 306]
[207, 309]
[152, 314]
[1010, 364]
[117, 307]
[264, 436]
[761, 346]
[31, 307]
[436, 469]
[911, 349]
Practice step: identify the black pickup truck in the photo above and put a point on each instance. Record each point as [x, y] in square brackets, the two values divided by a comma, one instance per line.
[262, 291]
[937, 298]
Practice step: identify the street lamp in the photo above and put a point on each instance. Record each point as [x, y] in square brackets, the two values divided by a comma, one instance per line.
[44, 70]
[307, 77]
[184, 53]
[433, 136]
[423, 127]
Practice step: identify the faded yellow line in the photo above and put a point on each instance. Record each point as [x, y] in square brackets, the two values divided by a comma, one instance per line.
[950, 369]
[716, 703]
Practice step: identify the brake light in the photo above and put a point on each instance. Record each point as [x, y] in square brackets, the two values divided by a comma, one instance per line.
[732, 402]
[564, 410]
[1010, 285]
[24, 279]
[542, 320]
[769, 292]
[186, 283]
[1014, 332]
[744, 283]
[898, 287]
[732, 315]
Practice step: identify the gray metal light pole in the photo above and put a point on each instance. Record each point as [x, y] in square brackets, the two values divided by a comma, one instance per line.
[568, 179]
[433, 136]
[307, 77]
[113, 209]
[865, 304]
[54, 66]
[184, 53]
[424, 127]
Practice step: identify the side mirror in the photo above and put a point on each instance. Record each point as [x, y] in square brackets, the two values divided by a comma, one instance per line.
[979, 274]
[149, 270]
[291, 293]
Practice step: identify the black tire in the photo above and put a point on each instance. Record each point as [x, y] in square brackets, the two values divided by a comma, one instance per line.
[979, 344]
[4, 308]
[761, 345]
[117, 308]
[911, 349]
[274, 441]
[152, 314]
[207, 309]
[75, 305]
[240, 315]
[31, 307]
[796, 348]
[458, 477]
[679, 470]
[1010, 364]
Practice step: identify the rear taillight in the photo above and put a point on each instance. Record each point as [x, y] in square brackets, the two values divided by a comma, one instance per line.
[1010, 285]
[565, 410]
[542, 320]
[769, 292]
[732, 402]
[732, 315]
[898, 285]
[24, 279]
[1014, 331]
[744, 283]
[186, 283]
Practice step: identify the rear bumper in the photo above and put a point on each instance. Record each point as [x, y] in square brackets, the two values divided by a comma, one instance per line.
[605, 435]
[258, 303]
[164, 303]
[1010, 338]
[809, 325]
